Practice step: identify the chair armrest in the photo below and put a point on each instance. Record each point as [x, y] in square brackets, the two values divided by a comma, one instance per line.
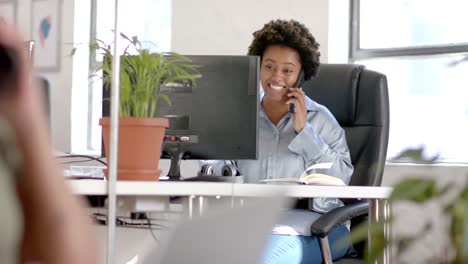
[325, 223]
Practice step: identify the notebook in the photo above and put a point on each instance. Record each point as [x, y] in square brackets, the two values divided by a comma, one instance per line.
[228, 236]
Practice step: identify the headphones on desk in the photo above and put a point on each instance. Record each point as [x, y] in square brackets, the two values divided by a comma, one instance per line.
[207, 169]
[229, 169]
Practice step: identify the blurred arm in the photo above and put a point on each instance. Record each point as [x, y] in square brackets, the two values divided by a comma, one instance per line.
[56, 227]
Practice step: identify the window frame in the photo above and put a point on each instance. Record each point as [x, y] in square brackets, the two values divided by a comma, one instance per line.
[93, 64]
[357, 53]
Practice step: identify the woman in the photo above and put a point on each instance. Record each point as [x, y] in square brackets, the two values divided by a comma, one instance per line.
[291, 142]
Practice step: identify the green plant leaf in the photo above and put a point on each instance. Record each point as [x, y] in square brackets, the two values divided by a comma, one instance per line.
[178, 56]
[125, 37]
[166, 99]
[135, 40]
[421, 190]
[73, 51]
[360, 233]
[141, 75]
[417, 190]
[459, 226]
[464, 243]
[415, 155]
[100, 43]
[94, 46]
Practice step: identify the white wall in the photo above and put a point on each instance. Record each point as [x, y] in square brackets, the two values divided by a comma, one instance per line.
[338, 31]
[199, 27]
[61, 81]
[226, 27]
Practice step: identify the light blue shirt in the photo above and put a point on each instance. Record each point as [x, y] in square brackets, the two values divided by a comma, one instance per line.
[285, 154]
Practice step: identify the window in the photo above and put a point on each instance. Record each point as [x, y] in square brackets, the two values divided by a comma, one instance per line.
[420, 46]
[150, 20]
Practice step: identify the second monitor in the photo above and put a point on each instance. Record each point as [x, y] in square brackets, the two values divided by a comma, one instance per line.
[217, 118]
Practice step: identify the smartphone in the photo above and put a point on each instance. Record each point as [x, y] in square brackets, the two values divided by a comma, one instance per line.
[8, 67]
[298, 84]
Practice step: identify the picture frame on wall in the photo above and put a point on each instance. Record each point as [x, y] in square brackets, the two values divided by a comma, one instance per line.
[46, 33]
[8, 11]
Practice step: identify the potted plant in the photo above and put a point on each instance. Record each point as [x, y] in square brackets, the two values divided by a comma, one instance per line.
[429, 221]
[141, 133]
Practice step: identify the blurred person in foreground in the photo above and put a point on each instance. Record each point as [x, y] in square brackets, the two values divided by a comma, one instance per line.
[41, 220]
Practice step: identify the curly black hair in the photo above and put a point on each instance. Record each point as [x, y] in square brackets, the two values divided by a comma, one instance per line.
[289, 33]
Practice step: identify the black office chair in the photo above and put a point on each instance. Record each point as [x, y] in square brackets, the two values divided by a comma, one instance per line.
[358, 98]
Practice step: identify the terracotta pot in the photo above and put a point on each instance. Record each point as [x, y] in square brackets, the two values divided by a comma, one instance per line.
[140, 142]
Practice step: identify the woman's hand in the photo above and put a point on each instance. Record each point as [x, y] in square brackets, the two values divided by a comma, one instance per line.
[300, 113]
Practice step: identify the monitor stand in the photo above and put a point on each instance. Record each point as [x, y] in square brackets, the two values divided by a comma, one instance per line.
[177, 153]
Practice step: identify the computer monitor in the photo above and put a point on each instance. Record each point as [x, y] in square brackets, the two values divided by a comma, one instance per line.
[217, 118]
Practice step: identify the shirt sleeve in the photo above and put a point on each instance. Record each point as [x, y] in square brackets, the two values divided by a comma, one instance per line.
[328, 146]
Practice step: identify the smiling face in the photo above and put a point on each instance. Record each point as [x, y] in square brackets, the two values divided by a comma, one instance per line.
[280, 68]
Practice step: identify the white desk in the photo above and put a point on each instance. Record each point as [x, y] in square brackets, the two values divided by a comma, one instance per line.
[378, 207]
[130, 188]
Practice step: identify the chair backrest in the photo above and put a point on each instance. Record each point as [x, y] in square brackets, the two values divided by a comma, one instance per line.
[358, 98]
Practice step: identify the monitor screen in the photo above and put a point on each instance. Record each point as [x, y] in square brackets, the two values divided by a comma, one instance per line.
[217, 118]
